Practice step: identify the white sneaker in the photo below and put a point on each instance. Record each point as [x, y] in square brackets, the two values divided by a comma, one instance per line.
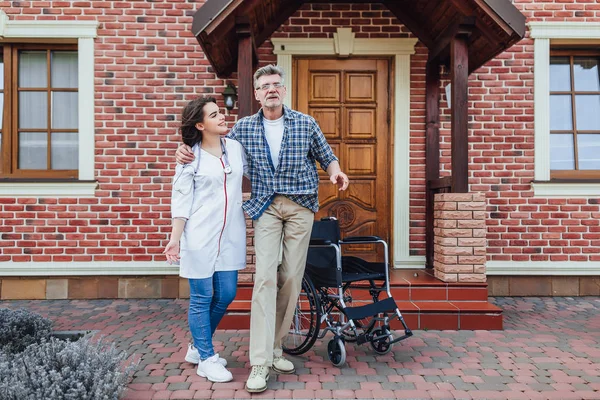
[192, 356]
[257, 381]
[212, 370]
[282, 365]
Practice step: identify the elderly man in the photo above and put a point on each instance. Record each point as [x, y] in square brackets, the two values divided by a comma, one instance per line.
[282, 146]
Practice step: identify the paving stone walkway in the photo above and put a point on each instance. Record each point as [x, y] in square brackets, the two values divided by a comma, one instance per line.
[549, 349]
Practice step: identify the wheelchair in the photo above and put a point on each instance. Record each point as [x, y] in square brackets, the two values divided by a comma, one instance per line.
[326, 302]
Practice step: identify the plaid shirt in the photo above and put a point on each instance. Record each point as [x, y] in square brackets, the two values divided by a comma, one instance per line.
[296, 176]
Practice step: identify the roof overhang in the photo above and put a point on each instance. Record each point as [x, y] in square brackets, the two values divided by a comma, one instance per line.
[494, 25]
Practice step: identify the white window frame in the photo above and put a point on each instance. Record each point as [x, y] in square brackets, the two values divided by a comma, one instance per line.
[545, 34]
[84, 32]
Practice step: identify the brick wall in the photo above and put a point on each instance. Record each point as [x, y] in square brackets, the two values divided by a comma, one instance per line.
[520, 227]
[148, 65]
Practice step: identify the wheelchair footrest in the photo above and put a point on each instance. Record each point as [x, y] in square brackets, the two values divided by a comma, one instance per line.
[370, 310]
[407, 333]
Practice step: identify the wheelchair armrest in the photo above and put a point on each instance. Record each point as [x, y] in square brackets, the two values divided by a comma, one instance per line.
[361, 239]
[319, 242]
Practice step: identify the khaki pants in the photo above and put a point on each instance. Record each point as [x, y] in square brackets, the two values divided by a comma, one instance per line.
[276, 292]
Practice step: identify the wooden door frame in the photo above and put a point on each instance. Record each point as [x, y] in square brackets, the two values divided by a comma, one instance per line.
[400, 49]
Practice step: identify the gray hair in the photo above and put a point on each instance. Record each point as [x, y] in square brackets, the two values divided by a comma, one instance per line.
[270, 69]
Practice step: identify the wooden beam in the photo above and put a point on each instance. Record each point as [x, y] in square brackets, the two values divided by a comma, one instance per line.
[286, 11]
[441, 183]
[244, 67]
[400, 9]
[432, 150]
[341, 1]
[441, 47]
[459, 73]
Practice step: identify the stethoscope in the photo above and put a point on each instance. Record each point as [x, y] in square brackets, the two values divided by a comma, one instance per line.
[226, 166]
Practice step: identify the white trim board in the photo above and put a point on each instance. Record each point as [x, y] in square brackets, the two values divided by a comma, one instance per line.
[106, 268]
[345, 44]
[545, 268]
[48, 189]
[95, 268]
[84, 32]
[564, 190]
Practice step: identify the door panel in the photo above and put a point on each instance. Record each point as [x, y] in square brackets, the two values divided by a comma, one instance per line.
[350, 101]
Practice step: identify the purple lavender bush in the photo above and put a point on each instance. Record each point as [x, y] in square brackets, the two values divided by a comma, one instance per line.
[21, 328]
[50, 368]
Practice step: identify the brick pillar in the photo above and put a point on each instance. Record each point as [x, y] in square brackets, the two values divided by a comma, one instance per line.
[459, 237]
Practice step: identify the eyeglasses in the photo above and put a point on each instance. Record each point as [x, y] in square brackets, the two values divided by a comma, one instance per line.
[267, 86]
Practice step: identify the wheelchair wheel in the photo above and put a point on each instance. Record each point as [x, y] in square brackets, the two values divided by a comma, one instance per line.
[382, 346]
[306, 321]
[336, 351]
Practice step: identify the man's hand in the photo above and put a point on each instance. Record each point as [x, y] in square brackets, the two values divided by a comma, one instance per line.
[184, 154]
[340, 179]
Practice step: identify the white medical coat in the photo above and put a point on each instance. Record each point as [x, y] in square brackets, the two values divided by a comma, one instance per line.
[214, 237]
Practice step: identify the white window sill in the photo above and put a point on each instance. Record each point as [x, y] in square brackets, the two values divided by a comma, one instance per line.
[48, 189]
[553, 189]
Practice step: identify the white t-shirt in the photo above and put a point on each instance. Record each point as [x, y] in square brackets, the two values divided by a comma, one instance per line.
[274, 135]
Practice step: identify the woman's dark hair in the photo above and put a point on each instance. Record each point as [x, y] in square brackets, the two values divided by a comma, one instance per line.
[193, 113]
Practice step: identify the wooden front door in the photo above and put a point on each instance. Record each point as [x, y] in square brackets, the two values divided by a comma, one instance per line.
[350, 100]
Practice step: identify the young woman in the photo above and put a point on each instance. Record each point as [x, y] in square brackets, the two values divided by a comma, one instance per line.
[208, 236]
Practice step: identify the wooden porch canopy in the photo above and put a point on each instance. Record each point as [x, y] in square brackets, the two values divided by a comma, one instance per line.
[460, 34]
[230, 31]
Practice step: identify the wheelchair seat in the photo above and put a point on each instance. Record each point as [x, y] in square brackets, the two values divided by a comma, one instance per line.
[325, 277]
[321, 262]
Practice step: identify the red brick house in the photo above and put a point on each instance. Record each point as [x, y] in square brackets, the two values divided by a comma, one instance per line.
[91, 93]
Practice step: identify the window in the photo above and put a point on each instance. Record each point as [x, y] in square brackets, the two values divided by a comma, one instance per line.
[574, 114]
[67, 44]
[571, 174]
[40, 138]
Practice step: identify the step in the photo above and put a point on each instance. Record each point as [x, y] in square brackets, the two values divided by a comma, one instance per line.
[424, 315]
[425, 302]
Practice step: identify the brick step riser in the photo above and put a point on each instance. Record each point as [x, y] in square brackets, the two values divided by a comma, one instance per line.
[418, 293]
[415, 321]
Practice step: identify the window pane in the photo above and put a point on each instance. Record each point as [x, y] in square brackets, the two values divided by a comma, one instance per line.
[560, 113]
[63, 69]
[1, 90]
[585, 70]
[588, 147]
[33, 110]
[32, 69]
[560, 74]
[562, 153]
[64, 110]
[1, 69]
[588, 112]
[65, 150]
[33, 150]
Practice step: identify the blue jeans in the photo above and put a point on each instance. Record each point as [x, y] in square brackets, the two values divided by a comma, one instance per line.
[209, 299]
